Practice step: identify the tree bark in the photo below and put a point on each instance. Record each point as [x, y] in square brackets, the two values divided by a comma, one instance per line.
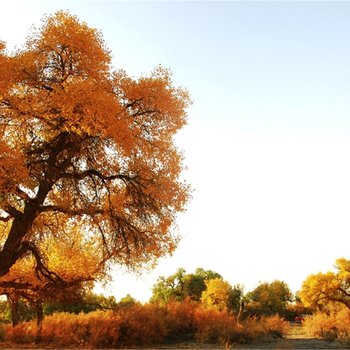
[14, 305]
[240, 314]
[39, 319]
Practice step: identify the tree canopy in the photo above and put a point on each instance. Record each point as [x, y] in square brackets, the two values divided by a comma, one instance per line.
[269, 298]
[181, 285]
[81, 142]
[322, 289]
[216, 295]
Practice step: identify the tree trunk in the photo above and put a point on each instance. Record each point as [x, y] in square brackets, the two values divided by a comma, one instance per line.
[39, 319]
[14, 305]
[240, 314]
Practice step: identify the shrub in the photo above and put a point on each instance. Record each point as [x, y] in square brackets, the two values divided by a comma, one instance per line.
[257, 328]
[104, 330]
[214, 326]
[333, 325]
[141, 325]
[275, 325]
[98, 329]
[179, 320]
[22, 333]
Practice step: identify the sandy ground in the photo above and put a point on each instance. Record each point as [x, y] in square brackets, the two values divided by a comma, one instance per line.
[296, 339]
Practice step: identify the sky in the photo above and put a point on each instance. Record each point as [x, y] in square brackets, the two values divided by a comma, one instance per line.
[267, 145]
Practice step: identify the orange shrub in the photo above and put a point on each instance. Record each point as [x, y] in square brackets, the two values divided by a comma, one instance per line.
[256, 328]
[214, 326]
[142, 324]
[335, 325]
[22, 333]
[275, 325]
[98, 329]
[104, 331]
[179, 320]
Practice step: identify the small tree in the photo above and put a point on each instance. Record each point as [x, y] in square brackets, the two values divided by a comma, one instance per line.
[269, 298]
[216, 294]
[127, 301]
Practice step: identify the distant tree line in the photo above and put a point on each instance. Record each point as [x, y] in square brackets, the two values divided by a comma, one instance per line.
[209, 288]
[322, 292]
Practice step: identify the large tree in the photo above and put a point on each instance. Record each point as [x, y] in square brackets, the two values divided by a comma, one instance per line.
[320, 290]
[79, 141]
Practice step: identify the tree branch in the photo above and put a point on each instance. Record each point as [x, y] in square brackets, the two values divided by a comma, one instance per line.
[12, 211]
[23, 195]
[6, 219]
[73, 212]
[14, 285]
[342, 290]
[93, 172]
[40, 267]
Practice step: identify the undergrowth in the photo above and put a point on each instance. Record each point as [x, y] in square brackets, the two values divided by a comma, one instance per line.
[145, 325]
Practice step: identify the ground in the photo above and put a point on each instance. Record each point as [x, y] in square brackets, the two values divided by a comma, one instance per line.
[295, 339]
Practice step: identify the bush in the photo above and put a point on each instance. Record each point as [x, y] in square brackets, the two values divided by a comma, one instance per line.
[213, 326]
[333, 325]
[98, 329]
[179, 320]
[257, 328]
[142, 325]
[22, 333]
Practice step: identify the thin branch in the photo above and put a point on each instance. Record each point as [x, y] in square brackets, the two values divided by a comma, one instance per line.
[12, 211]
[93, 172]
[23, 195]
[73, 212]
[6, 219]
[40, 268]
[344, 291]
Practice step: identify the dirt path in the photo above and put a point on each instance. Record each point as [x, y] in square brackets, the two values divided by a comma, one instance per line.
[296, 339]
[306, 343]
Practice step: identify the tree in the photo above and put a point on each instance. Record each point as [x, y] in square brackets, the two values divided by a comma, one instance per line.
[79, 141]
[324, 289]
[181, 285]
[216, 294]
[269, 298]
[235, 298]
[219, 294]
[86, 302]
[127, 301]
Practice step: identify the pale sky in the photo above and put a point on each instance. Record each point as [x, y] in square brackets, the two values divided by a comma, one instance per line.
[267, 145]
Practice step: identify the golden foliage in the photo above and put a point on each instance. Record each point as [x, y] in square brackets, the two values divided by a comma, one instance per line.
[214, 326]
[216, 294]
[71, 261]
[81, 141]
[331, 325]
[322, 289]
